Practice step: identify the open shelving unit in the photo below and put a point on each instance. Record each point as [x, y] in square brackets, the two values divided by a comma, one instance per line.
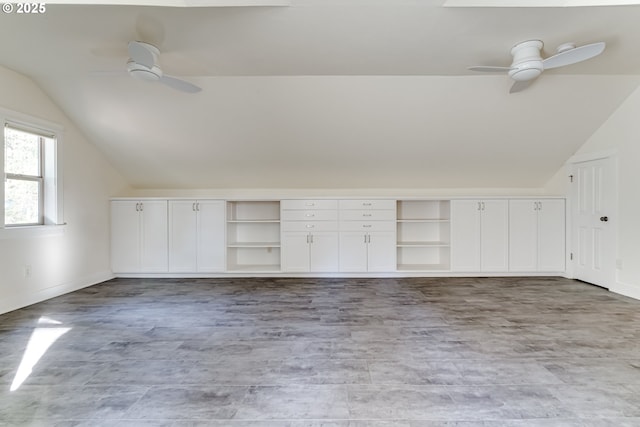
[423, 232]
[253, 235]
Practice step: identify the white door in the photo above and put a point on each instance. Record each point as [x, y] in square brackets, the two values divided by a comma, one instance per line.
[324, 252]
[154, 257]
[381, 251]
[211, 232]
[593, 222]
[125, 236]
[523, 235]
[295, 251]
[182, 236]
[551, 235]
[353, 251]
[465, 235]
[494, 246]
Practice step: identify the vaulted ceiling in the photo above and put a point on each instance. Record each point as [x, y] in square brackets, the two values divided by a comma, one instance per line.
[328, 93]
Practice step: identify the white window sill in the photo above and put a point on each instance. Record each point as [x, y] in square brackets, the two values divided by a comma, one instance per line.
[32, 231]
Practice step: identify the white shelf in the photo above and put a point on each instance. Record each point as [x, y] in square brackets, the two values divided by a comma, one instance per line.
[253, 221]
[423, 267]
[253, 245]
[423, 230]
[423, 244]
[424, 220]
[253, 236]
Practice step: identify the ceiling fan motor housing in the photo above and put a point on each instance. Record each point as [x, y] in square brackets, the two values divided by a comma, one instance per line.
[527, 62]
[141, 72]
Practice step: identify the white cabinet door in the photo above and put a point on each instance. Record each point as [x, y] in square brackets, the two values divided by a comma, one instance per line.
[125, 236]
[537, 235]
[551, 235]
[196, 236]
[139, 241]
[479, 235]
[465, 235]
[353, 251]
[211, 235]
[183, 236]
[324, 252]
[523, 235]
[381, 252]
[154, 256]
[494, 246]
[295, 252]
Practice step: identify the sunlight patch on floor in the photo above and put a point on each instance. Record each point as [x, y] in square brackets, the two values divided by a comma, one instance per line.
[41, 339]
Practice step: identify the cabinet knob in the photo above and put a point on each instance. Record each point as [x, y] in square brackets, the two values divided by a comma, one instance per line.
[604, 218]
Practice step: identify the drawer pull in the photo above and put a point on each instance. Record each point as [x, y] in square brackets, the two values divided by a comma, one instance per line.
[366, 204]
[309, 215]
[367, 225]
[366, 214]
[310, 204]
[310, 225]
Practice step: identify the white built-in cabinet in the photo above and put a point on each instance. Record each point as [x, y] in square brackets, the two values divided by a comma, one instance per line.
[367, 235]
[196, 236]
[537, 235]
[139, 236]
[480, 235]
[413, 236]
[423, 230]
[253, 236]
[309, 240]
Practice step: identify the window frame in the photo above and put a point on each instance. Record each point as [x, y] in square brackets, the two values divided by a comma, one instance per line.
[31, 178]
[52, 221]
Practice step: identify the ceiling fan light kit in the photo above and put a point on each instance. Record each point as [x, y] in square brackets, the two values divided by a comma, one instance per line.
[144, 65]
[528, 64]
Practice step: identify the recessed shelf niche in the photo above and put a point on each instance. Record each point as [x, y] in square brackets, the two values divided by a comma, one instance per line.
[423, 232]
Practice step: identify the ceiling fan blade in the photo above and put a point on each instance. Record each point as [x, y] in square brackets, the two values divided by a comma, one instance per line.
[573, 56]
[520, 86]
[180, 85]
[140, 54]
[489, 69]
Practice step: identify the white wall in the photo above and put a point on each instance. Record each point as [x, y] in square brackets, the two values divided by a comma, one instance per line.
[621, 132]
[79, 256]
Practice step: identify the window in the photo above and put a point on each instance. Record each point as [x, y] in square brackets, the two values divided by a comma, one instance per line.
[23, 188]
[31, 181]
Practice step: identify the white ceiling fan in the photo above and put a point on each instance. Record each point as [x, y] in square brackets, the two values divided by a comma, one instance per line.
[528, 64]
[143, 64]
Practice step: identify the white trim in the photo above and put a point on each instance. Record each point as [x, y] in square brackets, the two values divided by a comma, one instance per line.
[627, 290]
[30, 231]
[52, 157]
[595, 155]
[22, 300]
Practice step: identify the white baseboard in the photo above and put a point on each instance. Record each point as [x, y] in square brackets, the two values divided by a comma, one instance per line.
[627, 290]
[23, 300]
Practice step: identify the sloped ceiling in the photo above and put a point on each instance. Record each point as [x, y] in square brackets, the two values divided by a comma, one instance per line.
[328, 93]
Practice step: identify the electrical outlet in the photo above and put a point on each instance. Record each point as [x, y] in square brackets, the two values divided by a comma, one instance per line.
[27, 271]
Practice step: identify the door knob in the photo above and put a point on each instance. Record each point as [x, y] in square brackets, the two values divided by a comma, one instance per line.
[604, 218]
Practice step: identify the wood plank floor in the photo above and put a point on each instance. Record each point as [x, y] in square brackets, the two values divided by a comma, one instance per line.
[324, 352]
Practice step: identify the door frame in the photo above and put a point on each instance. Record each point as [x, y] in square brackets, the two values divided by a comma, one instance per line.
[612, 156]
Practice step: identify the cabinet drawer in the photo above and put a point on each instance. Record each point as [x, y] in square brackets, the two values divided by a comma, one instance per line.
[308, 204]
[310, 215]
[367, 226]
[309, 226]
[367, 204]
[368, 215]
